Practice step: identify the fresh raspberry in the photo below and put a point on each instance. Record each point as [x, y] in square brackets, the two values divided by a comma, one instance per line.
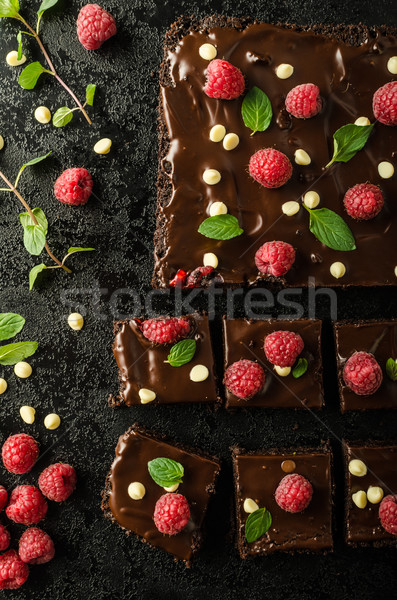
[304, 101]
[74, 186]
[179, 280]
[166, 331]
[362, 374]
[294, 493]
[363, 201]
[388, 514]
[5, 538]
[27, 505]
[270, 168]
[171, 513]
[58, 481]
[384, 104]
[282, 348]
[202, 277]
[275, 258]
[3, 497]
[244, 378]
[13, 571]
[36, 547]
[20, 452]
[94, 26]
[224, 80]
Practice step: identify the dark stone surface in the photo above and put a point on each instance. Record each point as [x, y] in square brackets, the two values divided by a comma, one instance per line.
[75, 371]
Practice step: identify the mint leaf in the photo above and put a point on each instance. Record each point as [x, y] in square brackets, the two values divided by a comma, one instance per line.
[62, 116]
[74, 249]
[45, 5]
[90, 93]
[19, 40]
[26, 219]
[300, 368]
[220, 227]
[348, 140]
[165, 471]
[30, 75]
[331, 230]
[181, 353]
[10, 325]
[9, 8]
[13, 353]
[257, 524]
[34, 237]
[36, 160]
[256, 110]
[33, 274]
[391, 369]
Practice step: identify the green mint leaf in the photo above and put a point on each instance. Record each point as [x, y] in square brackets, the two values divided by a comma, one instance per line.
[30, 75]
[348, 140]
[330, 229]
[10, 325]
[19, 40]
[257, 524]
[165, 472]
[221, 227]
[391, 369]
[300, 368]
[45, 5]
[256, 110]
[34, 237]
[62, 116]
[90, 93]
[36, 160]
[74, 249]
[10, 354]
[26, 219]
[33, 274]
[181, 353]
[9, 8]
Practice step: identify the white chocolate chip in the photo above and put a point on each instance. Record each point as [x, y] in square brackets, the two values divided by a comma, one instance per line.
[395, 271]
[385, 169]
[23, 370]
[282, 371]
[250, 505]
[362, 121]
[302, 157]
[1, 142]
[360, 499]
[136, 490]
[146, 395]
[231, 141]
[28, 414]
[103, 146]
[374, 494]
[76, 321]
[311, 199]
[217, 133]
[392, 65]
[199, 373]
[290, 208]
[52, 421]
[218, 208]
[3, 385]
[208, 51]
[357, 467]
[210, 260]
[172, 488]
[42, 114]
[211, 176]
[12, 59]
[284, 71]
[337, 270]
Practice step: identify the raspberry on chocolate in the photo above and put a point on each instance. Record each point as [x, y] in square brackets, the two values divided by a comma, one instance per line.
[166, 331]
[3, 497]
[5, 538]
[36, 547]
[74, 186]
[282, 348]
[270, 168]
[224, 80]
[294, 493]
[388, 514]
[94, 26]
[362, 374]
[275, 258]
[171, 513]
[27, 505]
[13, 571]
[19, 453]
[384, 104]
[57, 482]
[244, 378]
[304, 101]
[203, 277]
[363, 201]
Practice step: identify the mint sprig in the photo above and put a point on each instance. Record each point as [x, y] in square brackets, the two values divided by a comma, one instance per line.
[10, 8]
[300, 368]
[34, 238]
[10, 325]
[181, 353]
[348, 140]
[220, 227]
[165, 471]
[330, 229]
[256, 110]
[391, 369]
[62, 116]
[257, 524]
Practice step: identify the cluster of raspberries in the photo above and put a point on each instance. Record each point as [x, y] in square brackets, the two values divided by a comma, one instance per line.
[27, 505]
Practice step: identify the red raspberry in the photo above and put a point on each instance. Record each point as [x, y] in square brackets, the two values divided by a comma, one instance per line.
[304, 101]
[166, 331]
[224, 80]
[384, 104]
[282, 348]
[20, 452]
[13, 572]
[363, 201]
[244, 378]
[171, 513]
[275, 258]
[36, 547]
[3, 497]
[57, 482]
[388, 514]
[294, 493]
[74, 186]
[270, 168]
[5, 538]
[27, 505]
[179, 280]
[362, 374]
[200, 277]
[94, 26]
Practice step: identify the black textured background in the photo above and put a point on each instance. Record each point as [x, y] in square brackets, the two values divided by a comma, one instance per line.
[74, 371]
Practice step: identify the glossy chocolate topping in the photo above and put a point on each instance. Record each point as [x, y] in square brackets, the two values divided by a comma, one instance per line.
[244, 339]
[347, 77]
[378, 338]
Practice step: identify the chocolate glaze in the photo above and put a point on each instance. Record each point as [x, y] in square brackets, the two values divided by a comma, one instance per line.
[141, 365]
[363, 524]
[347, 77]
[258, 475]
[244, 338]
[380, 339]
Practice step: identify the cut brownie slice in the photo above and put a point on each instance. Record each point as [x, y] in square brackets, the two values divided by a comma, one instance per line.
[143, 365]
[133, 452]
[363, 525]
[257, 476]
[378, 338]
[244, 339]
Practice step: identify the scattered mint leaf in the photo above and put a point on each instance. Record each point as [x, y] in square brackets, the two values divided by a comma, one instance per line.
[36, 160]
[62, 116]
[74, 249]
[331, 230]
[220, 227]
[10, 354]
[45, 5]
[10, 325]
[391, 369]
[300, 368]
[9, 8]
[256, 110]
[34, 237]
[19, 40]
[165, 471]
[348, 140]
[33, 274]
[90, 93]
[257, 524]
[181, 353]
[30, 75]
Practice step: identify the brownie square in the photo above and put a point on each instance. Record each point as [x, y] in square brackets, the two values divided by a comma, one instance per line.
[378, 338]
[257, 475]
[133, 452]
[363, 526]
[142, 364]
[244, 339]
